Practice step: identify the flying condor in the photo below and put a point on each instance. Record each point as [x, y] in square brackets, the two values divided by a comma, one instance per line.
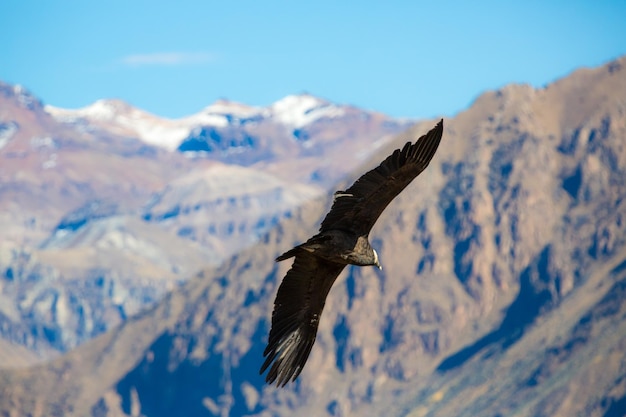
[342, 240]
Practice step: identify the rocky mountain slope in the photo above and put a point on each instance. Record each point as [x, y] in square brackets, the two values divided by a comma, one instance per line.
[101, 214]
[503, 291]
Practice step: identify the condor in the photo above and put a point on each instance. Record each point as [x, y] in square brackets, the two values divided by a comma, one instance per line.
[342, 240]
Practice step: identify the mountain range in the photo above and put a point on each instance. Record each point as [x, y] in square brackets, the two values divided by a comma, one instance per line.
[104, 209]
[504, 284]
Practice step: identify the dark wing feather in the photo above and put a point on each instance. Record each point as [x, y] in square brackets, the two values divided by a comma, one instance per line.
[297, 310]
[358, 208]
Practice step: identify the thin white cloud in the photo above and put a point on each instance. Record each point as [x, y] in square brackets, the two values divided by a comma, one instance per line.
[167, 59]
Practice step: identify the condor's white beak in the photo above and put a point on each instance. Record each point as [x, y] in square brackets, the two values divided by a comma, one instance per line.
[376, 260]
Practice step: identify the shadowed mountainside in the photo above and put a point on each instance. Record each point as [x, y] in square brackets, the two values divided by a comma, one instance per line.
[503, 291]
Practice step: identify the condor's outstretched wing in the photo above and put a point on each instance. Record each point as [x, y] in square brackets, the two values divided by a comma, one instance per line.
[297, 310]
[358, 208]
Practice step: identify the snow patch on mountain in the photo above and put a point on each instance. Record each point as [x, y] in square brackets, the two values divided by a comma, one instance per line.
[225, 112]
[26, 99]
[7, 131]
[104, 110]
[303, 109]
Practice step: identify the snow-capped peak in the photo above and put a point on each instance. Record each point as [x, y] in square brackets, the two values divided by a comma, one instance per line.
[104, 110]
[300, 110]
[23, 96]
[223, 112]
[107, 109]
[223, 106]
[121, 118]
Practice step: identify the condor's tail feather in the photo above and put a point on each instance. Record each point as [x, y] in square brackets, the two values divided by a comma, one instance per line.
[310, 245]
[289, 254]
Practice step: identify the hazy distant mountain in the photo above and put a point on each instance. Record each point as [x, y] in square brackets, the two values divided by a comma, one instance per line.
[101, 212]
[503, 290]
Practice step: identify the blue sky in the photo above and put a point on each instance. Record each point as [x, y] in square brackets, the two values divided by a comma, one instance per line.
[403, 58]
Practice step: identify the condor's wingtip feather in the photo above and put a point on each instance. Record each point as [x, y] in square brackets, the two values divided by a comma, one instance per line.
[287, 357]
[426, 146]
